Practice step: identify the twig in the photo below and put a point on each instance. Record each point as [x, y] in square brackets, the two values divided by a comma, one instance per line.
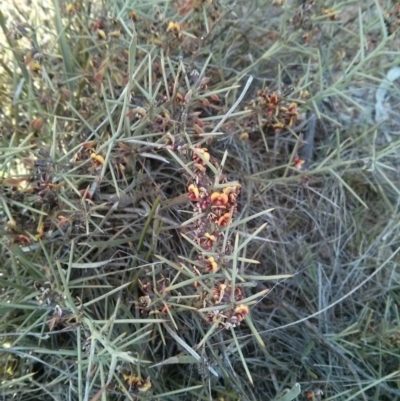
[306, 152]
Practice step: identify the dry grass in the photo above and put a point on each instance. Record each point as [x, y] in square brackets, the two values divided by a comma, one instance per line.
[102, 110]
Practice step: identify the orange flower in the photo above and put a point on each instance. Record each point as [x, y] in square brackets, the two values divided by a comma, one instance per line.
[63, 220]
[137, 382]
[97, 159]
[218, 293]
[237, 293]
[34, 66]
[212, 265]
[144, 385]
[278, 126]
[219, 199]
[175, 29]
[292, 108]
[193, 192]
[199, 168]
[210, 237]
[240, 312]
[223, 221]
[131, 380]
[244, 136]
[273, 99]
[208, 241]
[203, 152]
[232, 193]
[298, 163]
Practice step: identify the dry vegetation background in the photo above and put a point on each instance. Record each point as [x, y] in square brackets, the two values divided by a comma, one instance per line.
[199, 199]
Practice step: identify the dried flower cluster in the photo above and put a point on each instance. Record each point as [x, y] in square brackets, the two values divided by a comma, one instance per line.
[214, 204]
[215, 209]
[271, 109]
